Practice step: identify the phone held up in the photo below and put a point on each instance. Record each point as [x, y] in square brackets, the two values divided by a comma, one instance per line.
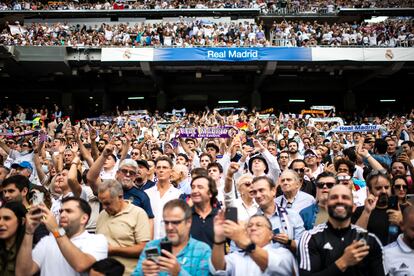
[166, 245]
[231, 214]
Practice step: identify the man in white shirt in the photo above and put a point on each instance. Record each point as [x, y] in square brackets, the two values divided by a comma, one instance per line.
[399, 255]
[259, 256]
[71, 250]
[161, 193]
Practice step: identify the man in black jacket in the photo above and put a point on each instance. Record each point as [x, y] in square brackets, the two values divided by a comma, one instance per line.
[339, 247]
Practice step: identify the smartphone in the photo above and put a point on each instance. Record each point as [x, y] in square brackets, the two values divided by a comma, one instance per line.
[166, 245]
[276, 231]
[362, 236]
[152, 254]
[393, 202]
[231, 213]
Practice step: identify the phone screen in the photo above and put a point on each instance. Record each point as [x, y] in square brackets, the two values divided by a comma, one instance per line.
[166, 245]
[152, 254]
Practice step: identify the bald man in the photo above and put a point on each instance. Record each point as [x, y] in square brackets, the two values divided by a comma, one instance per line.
[338, 246]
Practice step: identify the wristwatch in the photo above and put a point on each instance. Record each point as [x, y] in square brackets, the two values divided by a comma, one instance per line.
[250, 248]
[60, 232]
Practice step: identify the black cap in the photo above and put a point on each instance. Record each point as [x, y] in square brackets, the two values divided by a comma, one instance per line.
[143, 163]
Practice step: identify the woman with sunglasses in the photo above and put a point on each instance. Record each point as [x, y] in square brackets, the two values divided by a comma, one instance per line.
[245, 204]
[11, 235]
[399, 188]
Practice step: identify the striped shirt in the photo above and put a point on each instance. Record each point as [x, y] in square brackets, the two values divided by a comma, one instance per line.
[193, 258]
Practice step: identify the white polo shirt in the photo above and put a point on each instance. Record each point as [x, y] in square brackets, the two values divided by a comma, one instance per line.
[50, 260]
[157, 205]
[280, 262]
[399, 258]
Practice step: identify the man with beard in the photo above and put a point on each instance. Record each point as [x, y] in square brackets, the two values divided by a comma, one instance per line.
[399, 255]
[141, 181]
[69, 251]
[333, 248]
[293, 148]
[375, 215]
[188, 257]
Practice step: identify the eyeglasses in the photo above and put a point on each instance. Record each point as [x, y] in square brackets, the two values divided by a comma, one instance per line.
[400, 187]
[134, 153]
[328, 185]
[131, 173]
[343, 178]
[284, 157]
[25, 145]
[173, 222]
[299, 170]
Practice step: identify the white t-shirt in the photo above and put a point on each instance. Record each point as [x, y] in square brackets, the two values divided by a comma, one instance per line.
[50, 260]
[157, 205]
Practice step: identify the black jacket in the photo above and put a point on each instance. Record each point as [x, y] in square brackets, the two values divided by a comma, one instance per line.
[320, 247]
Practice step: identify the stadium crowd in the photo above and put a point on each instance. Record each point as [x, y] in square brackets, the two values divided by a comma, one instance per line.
[391, 33]
[212, 192]
[266, 6]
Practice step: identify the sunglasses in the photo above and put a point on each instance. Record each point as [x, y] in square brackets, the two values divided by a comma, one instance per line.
[25, 145]
[309, 156]
[131, 173]
[247, 184]
[400, 187]
[299, 170]
[328, 185]
[10, 142]
[135, 153]
[173, 222]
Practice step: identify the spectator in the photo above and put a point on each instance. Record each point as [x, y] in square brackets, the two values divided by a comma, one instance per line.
[142, 182]
[12, 225]
[375, 215]
[161, 193]
[203, 197]
[330, 248]
[287, 225]
[259, 256]
[398, 256]
[125, 225]
[188, 257]
[317, 213]
[70, 250]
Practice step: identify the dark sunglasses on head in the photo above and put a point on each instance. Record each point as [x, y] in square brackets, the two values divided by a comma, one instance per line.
[328, 185]
[377, 172]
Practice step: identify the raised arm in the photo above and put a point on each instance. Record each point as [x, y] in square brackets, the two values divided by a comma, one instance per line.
[93, 174]
[73, 182]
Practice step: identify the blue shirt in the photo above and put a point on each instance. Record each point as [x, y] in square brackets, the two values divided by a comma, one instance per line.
[193, 258]
[140, 199]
